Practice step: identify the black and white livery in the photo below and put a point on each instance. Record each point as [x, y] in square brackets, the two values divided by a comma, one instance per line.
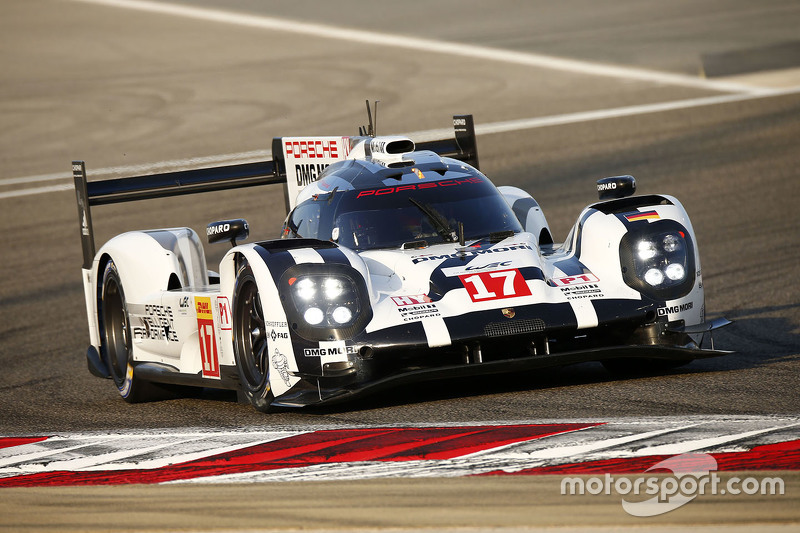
[396, 263]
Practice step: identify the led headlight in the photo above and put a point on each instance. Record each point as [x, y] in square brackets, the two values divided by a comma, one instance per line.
[657, 259]
[314, 315]
[333, 288]
[646, 250]
[305, 289]
[672, 243]
[675, 272]
[654, 277]
[342, 315]
[325, 301]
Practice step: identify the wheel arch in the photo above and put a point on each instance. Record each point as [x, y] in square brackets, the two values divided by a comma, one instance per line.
[528, 212]
[147, 262]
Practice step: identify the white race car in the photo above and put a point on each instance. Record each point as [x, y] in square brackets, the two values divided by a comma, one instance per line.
[396, 263]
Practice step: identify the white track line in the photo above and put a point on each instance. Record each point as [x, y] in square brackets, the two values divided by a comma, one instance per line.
[399, 41]
[577, 450]
[425, 45]
[419, 136]
[701, 444]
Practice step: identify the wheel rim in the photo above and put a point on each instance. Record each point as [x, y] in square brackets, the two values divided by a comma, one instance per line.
[115, 330]
[251, 338]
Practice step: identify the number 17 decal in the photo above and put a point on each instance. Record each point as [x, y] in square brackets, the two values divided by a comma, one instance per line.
[495, 285]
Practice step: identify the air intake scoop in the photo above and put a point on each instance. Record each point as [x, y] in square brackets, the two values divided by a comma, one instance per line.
[390, 149]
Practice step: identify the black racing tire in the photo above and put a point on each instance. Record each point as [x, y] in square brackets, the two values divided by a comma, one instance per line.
[250, 341]
[115, 340]
[642, 366]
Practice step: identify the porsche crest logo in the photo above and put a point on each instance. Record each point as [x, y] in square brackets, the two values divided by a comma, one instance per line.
[508, 312]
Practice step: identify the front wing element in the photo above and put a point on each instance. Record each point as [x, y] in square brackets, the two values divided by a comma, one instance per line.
[306, 393]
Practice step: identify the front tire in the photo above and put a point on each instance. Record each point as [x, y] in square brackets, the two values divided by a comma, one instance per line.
[115, 340]
[250, 341]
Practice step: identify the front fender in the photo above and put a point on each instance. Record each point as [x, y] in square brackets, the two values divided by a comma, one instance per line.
[602, 229]
[268, 261]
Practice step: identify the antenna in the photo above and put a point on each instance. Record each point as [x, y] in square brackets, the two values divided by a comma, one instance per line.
[375, 125]
[371, 129]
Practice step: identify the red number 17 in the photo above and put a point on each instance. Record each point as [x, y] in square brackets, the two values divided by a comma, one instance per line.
[495, 285]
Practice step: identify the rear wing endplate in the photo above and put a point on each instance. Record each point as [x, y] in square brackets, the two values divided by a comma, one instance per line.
[462, 146]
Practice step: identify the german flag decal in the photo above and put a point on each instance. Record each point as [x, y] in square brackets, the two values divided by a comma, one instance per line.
[643, 215]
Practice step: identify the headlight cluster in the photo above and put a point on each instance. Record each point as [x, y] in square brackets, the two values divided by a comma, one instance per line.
[659, 260]
[328, 301]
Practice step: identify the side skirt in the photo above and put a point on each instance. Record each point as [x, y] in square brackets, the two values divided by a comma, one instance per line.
[158, 373]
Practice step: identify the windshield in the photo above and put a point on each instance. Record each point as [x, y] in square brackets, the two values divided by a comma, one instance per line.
[392, 216]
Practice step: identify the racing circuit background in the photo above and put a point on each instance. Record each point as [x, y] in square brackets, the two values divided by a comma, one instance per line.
[700, 100]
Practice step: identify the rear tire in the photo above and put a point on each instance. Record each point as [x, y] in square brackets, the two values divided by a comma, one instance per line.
[250, 341]
[115, 340]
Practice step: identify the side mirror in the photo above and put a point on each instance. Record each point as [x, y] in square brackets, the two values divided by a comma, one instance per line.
[228, 230]
[616, 187]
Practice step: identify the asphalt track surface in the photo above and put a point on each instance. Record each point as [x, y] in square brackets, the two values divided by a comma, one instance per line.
[128, 88]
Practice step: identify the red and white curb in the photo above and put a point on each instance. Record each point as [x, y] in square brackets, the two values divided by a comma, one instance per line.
[352, 452]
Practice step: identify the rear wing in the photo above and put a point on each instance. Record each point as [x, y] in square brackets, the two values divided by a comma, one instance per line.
[462, 146]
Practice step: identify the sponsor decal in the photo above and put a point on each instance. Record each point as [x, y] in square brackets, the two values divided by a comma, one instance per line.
[157, 324]
[184, 305]
[485, 286]
[418, 312]
[427, 185]
[216, 230]
[312, 149]
[642, 215]
[207, 336]
[274, 324]
[82, 209]
[327, 351]
[307, 158]
[582, 292]
[580, 287]
[224, 309]
[281, 365]
[275, 335]
[307, 174]
[415, 307]
[411, 300]
[671, 310]
[471, 253]
[582, 279]
[498, 264]
[418, 172]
